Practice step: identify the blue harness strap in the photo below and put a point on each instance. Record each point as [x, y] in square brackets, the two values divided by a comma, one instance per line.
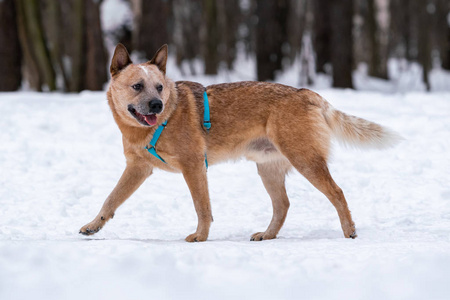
[206, 123]
[206, 120]
[155, 138]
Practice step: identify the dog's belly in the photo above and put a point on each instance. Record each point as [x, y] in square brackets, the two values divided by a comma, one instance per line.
[262, 150]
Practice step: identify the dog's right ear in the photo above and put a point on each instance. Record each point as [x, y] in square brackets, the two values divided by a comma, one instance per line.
[160, 58]
[120, 59]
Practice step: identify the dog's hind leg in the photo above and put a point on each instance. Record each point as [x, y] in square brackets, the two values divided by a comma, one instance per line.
[315, 169]
[273, 177]
[305, 141]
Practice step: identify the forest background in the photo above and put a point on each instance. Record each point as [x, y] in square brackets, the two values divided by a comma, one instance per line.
[48, 45]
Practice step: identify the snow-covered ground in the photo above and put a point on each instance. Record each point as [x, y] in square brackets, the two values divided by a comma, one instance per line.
[60, 156]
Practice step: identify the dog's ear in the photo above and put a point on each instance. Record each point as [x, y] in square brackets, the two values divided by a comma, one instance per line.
[160, 58]
[120, 59]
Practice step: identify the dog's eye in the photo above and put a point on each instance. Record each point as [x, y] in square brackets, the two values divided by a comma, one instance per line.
[159, 88]
[137, 87]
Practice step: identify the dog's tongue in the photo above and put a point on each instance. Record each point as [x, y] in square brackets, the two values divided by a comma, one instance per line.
[150, 119]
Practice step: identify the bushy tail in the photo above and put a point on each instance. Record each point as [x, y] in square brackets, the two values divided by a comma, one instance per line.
[353, 131]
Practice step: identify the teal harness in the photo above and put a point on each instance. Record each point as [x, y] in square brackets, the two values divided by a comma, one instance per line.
[206, 123]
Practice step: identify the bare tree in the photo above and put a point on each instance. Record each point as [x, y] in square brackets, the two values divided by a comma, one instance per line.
[187, 23]
[445, 54]
[441, 32]
[229, 18]
[95, 74]
[212, 37]
[377, 62]
[37, 58]
[271, 34]
[424, 43]
[341, 17]
[10, 52]
[322, 33]
[150, 26]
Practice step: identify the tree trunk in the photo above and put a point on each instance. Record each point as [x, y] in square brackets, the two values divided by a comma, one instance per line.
[341, 17]
[95, 71]
[270, 36]
[36, 36]
[229, 18]
[54, 35]
[39, 68]
[10, 54]
[296, 23]
[30, 67]
[322, 33]
[187, 25]
[424, 44]
[77, 47]
[443, 32]
[150, 26]
[377, 65]
[212, 37]
[446, 52]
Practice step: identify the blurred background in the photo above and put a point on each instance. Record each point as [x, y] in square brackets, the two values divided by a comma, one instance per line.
[48, 45]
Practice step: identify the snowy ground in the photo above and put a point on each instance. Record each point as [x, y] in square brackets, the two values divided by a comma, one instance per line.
[60, 156]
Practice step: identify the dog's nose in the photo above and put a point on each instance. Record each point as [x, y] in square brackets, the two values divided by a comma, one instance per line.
[156, 106]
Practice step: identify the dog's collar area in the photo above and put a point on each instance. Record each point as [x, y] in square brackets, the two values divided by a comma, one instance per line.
[151, 148]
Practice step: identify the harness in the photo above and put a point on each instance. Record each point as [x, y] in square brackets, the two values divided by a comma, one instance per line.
[151, 148]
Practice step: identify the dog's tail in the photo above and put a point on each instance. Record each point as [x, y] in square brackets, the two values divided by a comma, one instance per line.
[353, 131]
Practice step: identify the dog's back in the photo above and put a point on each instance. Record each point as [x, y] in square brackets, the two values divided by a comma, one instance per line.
[251, 113]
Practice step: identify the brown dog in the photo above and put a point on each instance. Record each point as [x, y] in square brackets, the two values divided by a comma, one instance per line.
[277, 126]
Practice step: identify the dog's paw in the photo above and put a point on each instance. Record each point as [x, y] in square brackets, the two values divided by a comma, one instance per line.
[350, 232]
[259, 236]
[352, 235]
[196, 237]
[91, 228]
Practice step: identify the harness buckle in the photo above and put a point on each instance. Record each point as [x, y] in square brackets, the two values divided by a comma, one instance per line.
[207, 124]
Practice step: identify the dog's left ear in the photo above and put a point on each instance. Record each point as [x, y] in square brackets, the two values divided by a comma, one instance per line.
[120, 59]
[160, 58]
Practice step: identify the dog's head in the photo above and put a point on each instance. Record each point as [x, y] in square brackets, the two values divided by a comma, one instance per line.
[140, 92]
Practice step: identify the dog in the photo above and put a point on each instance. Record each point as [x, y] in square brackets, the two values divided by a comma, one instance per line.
[277, 126]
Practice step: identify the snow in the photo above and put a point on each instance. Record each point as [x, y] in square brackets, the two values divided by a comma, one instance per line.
[61, 155]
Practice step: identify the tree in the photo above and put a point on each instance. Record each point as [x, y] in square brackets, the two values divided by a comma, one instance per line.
[95, 74]
[10, 52]
[229, 18]
[400, 29]
[341, 17]
[377, 63]
[38, 65]
[187, 22]
[445, 54]
[322, 33]
[271, 34]
[442, 32]
[424, 43]
[149, 26]
[54, 35]
[212, 37]
[64, 40]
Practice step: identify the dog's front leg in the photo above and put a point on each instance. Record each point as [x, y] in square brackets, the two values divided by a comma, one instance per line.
[195, 176]
[133, 176]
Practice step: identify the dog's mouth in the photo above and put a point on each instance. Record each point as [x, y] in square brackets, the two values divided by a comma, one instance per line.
[147, 120]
